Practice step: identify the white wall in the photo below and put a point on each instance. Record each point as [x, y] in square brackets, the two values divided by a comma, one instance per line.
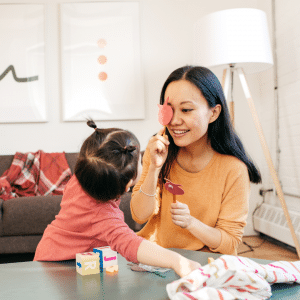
[166, 44]
[288, 61]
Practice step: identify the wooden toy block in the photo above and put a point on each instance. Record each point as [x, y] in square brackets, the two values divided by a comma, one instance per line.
[112, 269]
[210, 260]
[87, 263]
[107, 257]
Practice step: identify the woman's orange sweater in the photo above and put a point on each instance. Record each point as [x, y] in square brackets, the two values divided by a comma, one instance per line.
[218, 196]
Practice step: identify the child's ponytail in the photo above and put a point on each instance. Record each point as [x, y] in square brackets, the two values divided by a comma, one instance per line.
[92, 124]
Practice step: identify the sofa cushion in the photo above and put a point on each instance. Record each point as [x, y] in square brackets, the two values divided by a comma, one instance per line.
[29, 215]
[5, 162]
[125, 207]
[1, 217]
[19, 244]
[71, 159]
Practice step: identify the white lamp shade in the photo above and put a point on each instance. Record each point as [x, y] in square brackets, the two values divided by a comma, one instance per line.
[235, 36]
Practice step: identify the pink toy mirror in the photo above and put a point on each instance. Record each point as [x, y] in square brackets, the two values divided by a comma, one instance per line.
[165, 113]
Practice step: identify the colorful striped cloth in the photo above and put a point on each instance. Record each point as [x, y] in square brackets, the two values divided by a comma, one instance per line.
[234, 277]
[35, 174]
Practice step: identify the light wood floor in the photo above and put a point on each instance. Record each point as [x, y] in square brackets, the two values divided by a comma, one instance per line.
[269, 249]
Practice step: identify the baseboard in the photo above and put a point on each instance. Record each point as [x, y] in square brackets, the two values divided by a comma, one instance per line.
[278, 243]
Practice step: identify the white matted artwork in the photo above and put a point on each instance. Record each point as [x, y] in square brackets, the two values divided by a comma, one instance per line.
[22, 63]
[101, 67]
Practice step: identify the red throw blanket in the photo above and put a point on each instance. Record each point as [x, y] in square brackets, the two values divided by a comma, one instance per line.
[35, 174]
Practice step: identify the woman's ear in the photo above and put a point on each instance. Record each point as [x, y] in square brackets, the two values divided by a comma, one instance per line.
[129, 185]
[215, 113]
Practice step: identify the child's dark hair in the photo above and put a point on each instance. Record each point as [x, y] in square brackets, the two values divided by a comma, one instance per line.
[107, 161]
[221, 134]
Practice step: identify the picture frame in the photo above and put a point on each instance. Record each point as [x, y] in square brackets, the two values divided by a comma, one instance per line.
[101, 68]
[22, 64]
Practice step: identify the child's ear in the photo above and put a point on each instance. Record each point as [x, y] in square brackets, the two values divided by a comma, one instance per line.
[129, 185]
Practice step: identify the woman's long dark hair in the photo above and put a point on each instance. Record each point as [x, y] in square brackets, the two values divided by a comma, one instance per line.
[107, 161]
[220, 132]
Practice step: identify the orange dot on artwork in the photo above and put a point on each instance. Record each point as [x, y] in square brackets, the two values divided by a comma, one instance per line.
[102, 43]
[102, 76]
[102, 59]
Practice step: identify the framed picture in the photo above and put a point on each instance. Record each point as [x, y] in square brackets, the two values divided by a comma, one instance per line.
[22, 63]
[101, 68]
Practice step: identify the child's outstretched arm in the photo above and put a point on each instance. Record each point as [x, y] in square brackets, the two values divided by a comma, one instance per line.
[154, 255]
[109, 226]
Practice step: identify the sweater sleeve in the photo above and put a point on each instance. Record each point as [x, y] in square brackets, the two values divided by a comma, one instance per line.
[146, 164]
[234, 210]
[112, 228]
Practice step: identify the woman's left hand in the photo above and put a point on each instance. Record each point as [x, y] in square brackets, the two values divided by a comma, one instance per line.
[181, 214]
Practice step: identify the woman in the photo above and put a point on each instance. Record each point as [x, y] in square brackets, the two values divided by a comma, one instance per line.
[202, 153]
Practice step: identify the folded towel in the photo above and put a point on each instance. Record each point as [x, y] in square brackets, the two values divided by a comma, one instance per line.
[234, 277]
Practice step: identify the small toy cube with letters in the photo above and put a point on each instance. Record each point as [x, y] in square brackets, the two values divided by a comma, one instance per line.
[107, 258]
[87, 263]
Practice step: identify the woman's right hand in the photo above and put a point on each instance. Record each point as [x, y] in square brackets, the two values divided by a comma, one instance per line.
[158, 146]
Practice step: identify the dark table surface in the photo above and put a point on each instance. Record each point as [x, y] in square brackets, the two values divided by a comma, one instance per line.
[59, 280]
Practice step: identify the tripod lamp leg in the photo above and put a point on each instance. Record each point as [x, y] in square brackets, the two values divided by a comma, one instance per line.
[268, 157]
[225, 86]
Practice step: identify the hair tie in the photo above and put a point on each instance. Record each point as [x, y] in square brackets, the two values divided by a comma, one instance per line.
[127, 149]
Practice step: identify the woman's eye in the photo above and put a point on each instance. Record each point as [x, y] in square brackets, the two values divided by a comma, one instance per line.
[186, 110]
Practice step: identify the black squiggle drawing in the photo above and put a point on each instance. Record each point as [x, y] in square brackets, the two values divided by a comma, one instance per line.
[12, 69]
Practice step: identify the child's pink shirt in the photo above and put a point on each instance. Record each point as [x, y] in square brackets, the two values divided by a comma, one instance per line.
[83, 224]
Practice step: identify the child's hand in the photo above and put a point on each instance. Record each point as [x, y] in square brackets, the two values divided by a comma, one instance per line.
[158, 146]
[181, 214]
[185, 266]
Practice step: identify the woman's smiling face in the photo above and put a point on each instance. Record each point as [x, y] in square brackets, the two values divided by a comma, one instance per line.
[191, 113]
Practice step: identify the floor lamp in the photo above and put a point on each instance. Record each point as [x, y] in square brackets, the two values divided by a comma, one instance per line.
[238, 40]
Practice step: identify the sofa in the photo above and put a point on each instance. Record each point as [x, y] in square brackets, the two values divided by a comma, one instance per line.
[24, 219]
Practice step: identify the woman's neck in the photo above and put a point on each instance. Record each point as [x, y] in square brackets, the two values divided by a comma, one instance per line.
[196, 157]
[197, 149]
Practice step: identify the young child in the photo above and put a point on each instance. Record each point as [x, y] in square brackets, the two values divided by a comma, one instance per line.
[109, 163]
